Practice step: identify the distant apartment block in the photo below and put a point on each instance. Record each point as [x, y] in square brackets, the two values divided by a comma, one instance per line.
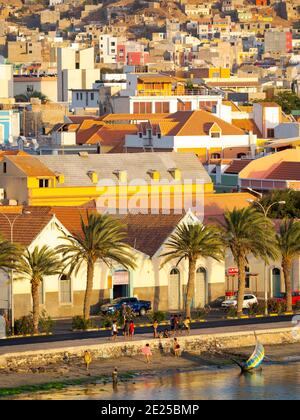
[20, 52]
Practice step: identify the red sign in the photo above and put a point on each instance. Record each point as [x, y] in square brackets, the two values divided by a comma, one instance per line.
[233, 271]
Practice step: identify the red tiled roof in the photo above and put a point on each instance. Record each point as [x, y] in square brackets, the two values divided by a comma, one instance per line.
[286, 171]
[26, 228]
[237, 165]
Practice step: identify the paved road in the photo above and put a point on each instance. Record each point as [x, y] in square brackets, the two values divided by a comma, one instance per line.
[97, 337]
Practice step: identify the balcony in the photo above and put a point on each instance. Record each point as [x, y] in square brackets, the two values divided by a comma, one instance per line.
[174, 92]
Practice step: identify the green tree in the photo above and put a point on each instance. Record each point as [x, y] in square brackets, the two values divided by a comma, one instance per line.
[287, 99]
[291, 209]
[101, 238]
[288, 242]
[9, 254]
[27, 97]
[245, 232]
[190, 242]
[35, 265]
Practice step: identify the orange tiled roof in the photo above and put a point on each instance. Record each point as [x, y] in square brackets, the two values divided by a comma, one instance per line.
[31, 166]
[192, 123]
[247, 125]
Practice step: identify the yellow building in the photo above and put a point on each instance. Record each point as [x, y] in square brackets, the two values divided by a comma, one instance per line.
[158, 85]
[116, 181]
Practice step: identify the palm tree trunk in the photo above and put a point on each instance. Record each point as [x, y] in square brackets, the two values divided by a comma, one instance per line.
[241, 286]
[35, 305]
[287, 268]
[89, 289]
[190, 286]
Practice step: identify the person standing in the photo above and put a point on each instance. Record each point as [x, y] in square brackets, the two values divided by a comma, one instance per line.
[87, 359]
[155, 326]
[131, 329]
[126, 329]
[114, 330]
[172, 324]
[115, 378]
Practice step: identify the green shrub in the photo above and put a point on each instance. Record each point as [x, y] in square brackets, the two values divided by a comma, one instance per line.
[257, 308]
[232, 312]
[80, 323]
[201, 312]
[46, 323]
[24, 325]
[107, 321]
[276, 307]
[158, 315]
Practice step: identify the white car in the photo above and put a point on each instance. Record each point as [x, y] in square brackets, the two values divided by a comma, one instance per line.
[248, 301]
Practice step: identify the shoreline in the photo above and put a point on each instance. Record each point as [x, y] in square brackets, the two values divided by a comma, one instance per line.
[60, 376]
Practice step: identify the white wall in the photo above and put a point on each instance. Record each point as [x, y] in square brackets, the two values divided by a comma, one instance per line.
[6, 81]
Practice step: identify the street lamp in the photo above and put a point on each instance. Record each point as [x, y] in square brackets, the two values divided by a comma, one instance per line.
[11, 225]
[266, 211]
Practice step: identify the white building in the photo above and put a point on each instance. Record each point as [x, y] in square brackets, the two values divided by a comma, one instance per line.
[76, 70]
[6, 81]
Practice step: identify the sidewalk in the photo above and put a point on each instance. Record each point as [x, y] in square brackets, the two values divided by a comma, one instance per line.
[102, 340]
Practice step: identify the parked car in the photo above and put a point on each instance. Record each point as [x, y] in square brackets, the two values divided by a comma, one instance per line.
[249, 300]
[138, 306]
[295, 297]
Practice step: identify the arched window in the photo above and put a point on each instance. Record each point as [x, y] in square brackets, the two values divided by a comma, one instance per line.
[174, 289]
[65, 289]
[200, 297]
[276, 282]
[247, 269]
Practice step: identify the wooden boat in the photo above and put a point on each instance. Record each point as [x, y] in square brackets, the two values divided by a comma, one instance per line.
[255, 360]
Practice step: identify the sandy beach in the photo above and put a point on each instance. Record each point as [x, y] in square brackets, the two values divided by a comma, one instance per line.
[128, 367]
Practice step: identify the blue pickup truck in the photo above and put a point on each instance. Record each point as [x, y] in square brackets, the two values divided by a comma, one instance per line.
[138, 306]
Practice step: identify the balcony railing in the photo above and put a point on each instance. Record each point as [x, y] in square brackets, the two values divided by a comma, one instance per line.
[175, 92]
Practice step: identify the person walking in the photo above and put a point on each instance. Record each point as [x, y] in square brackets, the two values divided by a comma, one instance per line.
[155, 326]
[187, 325]
[131, 329]
[114, 330]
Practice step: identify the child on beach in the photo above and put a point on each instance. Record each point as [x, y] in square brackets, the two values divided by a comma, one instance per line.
[114, 330]
[87, 359]
[155, 326]
[147, 353]
[131, 329]
[176, 348]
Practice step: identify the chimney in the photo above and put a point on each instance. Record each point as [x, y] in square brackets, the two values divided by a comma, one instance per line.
[121, 175]
[93, 176]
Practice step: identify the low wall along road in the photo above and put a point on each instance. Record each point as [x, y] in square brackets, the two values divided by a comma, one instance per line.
[194, 344]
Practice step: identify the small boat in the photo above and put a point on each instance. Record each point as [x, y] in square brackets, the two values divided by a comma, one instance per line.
[255, 360]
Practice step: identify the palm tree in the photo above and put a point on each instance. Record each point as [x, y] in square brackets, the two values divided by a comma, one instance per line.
[247, 231]
[101, 238]
[190, 242]
[36, 265]
[9, 254]
[288, 242]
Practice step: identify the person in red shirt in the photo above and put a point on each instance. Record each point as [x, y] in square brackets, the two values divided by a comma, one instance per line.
[131, 329]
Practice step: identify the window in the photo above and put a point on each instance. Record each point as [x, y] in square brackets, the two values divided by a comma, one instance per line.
[44, 183]
[215, 156]
[247, 277]
[92, 96]
[270, 133]
[4, 167]
[142, 107]
[215, 135]
[140, 135]
[162, 107]
[184, 106]
[65, 290]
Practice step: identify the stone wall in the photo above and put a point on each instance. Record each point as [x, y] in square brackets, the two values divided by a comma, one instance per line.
[194, 344]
